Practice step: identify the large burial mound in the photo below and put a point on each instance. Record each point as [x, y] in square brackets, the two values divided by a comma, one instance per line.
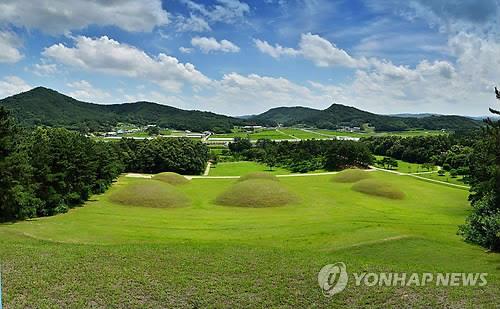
[257, 193]
[378, 188]
[350, 176]
[171, 178]
[258, 175]
[147, 193]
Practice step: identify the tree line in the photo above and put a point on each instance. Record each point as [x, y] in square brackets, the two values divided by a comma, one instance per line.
[303, 156]
[46, 171]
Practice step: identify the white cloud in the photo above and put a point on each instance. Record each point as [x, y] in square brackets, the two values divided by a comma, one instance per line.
[109, 56]
[186, 50]
[84, 91]
[192, 24]
[44, 68]
[59, 16]
[239, 94]
[325, 54]
[11, 85]
[9, 45]
[208, 45]
[275, 51]
[226, 11]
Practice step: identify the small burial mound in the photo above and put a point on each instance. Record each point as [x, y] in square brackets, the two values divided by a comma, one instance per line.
[350, 176]
[258, 175]
[378, 188]
[147, 193]
[171, 178]
[256, 193]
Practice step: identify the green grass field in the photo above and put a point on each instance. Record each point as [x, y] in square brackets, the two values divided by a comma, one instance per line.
[205, 255]
[243, 167]
[406, 167]
[446, 178]
[290, 133]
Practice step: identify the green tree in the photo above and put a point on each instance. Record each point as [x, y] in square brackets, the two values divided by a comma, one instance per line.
[17, 199]
[153, 130]
[483, 224]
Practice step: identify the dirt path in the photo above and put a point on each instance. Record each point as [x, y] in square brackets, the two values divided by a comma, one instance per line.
[419, 177]
[207, 170]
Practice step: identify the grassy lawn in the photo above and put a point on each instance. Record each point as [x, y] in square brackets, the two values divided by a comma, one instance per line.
[301, 134]
[243, 167]
[446, 178]
[109, 255]
[406, 167]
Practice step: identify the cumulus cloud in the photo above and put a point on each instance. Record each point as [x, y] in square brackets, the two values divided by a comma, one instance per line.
[9, 44]
[208, 45]
[109, 56]
[275, 51]
[59, 16]
[11, 85]
[84, 91]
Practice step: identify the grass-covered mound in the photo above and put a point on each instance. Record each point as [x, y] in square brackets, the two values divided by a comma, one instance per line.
[350, 176]
[257, 193]
[378, 188]
[171, 178]
[147, 193]
[258, 175]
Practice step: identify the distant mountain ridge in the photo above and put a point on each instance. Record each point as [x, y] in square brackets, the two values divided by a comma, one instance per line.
[43, 106]
[340, 115]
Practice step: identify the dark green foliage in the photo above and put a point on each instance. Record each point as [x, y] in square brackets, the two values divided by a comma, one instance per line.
[17, 199]
[309, 155]
[338, 115]
[153, 130]
[42, 106]
[483, 224]
[179, 155]
[240, 145]
[418, 149]
[69, 167]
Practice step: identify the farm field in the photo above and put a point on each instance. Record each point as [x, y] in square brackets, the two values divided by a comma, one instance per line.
[291, 133]
[106, 254]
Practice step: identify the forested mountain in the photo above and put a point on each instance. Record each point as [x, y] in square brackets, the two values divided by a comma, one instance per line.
[340, 115]
[42, 106]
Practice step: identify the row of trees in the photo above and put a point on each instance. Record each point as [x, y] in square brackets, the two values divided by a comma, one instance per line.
[180, 155]
[418, 149]
[48, 170]
[303, 156]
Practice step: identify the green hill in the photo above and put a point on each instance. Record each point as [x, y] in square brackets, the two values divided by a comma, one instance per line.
[42, 106]
[340, 115]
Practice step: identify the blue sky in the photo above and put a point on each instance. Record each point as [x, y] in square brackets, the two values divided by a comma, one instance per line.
[242, 57]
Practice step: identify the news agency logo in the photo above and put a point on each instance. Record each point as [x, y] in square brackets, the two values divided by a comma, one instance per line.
[333, 279]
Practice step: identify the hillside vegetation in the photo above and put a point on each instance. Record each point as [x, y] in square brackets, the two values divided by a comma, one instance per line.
[42, 106]
[340, 115]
